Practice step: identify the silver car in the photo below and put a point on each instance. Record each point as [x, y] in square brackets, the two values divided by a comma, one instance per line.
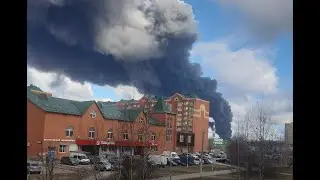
[33, 167]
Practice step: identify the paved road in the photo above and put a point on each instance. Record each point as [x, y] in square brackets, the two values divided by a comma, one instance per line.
[101, 175]
[195, 175]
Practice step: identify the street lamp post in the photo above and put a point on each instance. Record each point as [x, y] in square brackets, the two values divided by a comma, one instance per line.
[201, 156]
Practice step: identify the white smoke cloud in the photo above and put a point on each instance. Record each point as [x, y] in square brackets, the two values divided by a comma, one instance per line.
[135, 28]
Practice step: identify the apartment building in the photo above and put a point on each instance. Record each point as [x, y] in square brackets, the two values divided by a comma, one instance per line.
[192, 118]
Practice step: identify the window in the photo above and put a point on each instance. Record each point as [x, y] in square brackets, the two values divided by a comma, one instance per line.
[125, 136]
[141, 120]
[91, 132]
[186, 108]
[178, 123]
[169, 130]
[154, 148]
[139, 137]
[93, 114]
[169, 138]
[69, 132]
[153, 137]
[185, 103]
[63, 148]
[189, 138]
[181, 138]
[110, 134]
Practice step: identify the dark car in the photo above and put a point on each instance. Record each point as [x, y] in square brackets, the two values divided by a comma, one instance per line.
[69, 161]
[103, 166]
[187, 159]
[33, 167]
[179, 162]
[114, 160]
[96, 159]
[172, 162]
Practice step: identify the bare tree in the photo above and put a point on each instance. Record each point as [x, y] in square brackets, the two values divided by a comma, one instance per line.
[141, 131]
[254, 140]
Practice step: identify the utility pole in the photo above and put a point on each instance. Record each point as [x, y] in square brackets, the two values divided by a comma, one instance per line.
[201, 153]
[188, 151]
[238, 149]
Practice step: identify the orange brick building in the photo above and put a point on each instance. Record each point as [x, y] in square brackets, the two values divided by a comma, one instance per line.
[71, 125]
[115, 127]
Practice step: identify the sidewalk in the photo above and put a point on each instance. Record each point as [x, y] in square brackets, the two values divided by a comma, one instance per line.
[195, 175]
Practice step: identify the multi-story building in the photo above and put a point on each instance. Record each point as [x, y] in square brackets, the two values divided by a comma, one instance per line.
[289, 133]
[191, 122]
[192, 118]
[96, 127]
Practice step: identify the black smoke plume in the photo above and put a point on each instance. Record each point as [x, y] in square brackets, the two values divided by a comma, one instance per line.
[143, 43]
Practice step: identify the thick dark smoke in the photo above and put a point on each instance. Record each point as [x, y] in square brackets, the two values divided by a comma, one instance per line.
[144, 43]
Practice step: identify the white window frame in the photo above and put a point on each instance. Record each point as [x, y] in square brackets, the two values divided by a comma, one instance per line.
[141, 120]
[189, 138]
[125, 136]
[153, 137]
[140, 137]
[181, 138]
[68, 131]
[110, 134]
[62, 148]
[92, 133]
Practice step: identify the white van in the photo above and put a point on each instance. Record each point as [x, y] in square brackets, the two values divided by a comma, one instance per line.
[83, 159]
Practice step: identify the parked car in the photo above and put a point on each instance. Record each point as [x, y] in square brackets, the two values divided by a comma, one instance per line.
[158, 160]
[69, 161]
[103, 166]
[83, 159]
[33, 167]
[170, 154]
[196, 160]
[187, 159]
[173, 162]
[113, 159]
[207, 161]
[96, 159]
[179, 162]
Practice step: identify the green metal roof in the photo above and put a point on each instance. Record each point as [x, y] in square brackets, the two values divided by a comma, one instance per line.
[33, 87]
[109, 110]
[52, 104]
[162, 107]
[82, 106]
[128, 101]
[155, 122]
